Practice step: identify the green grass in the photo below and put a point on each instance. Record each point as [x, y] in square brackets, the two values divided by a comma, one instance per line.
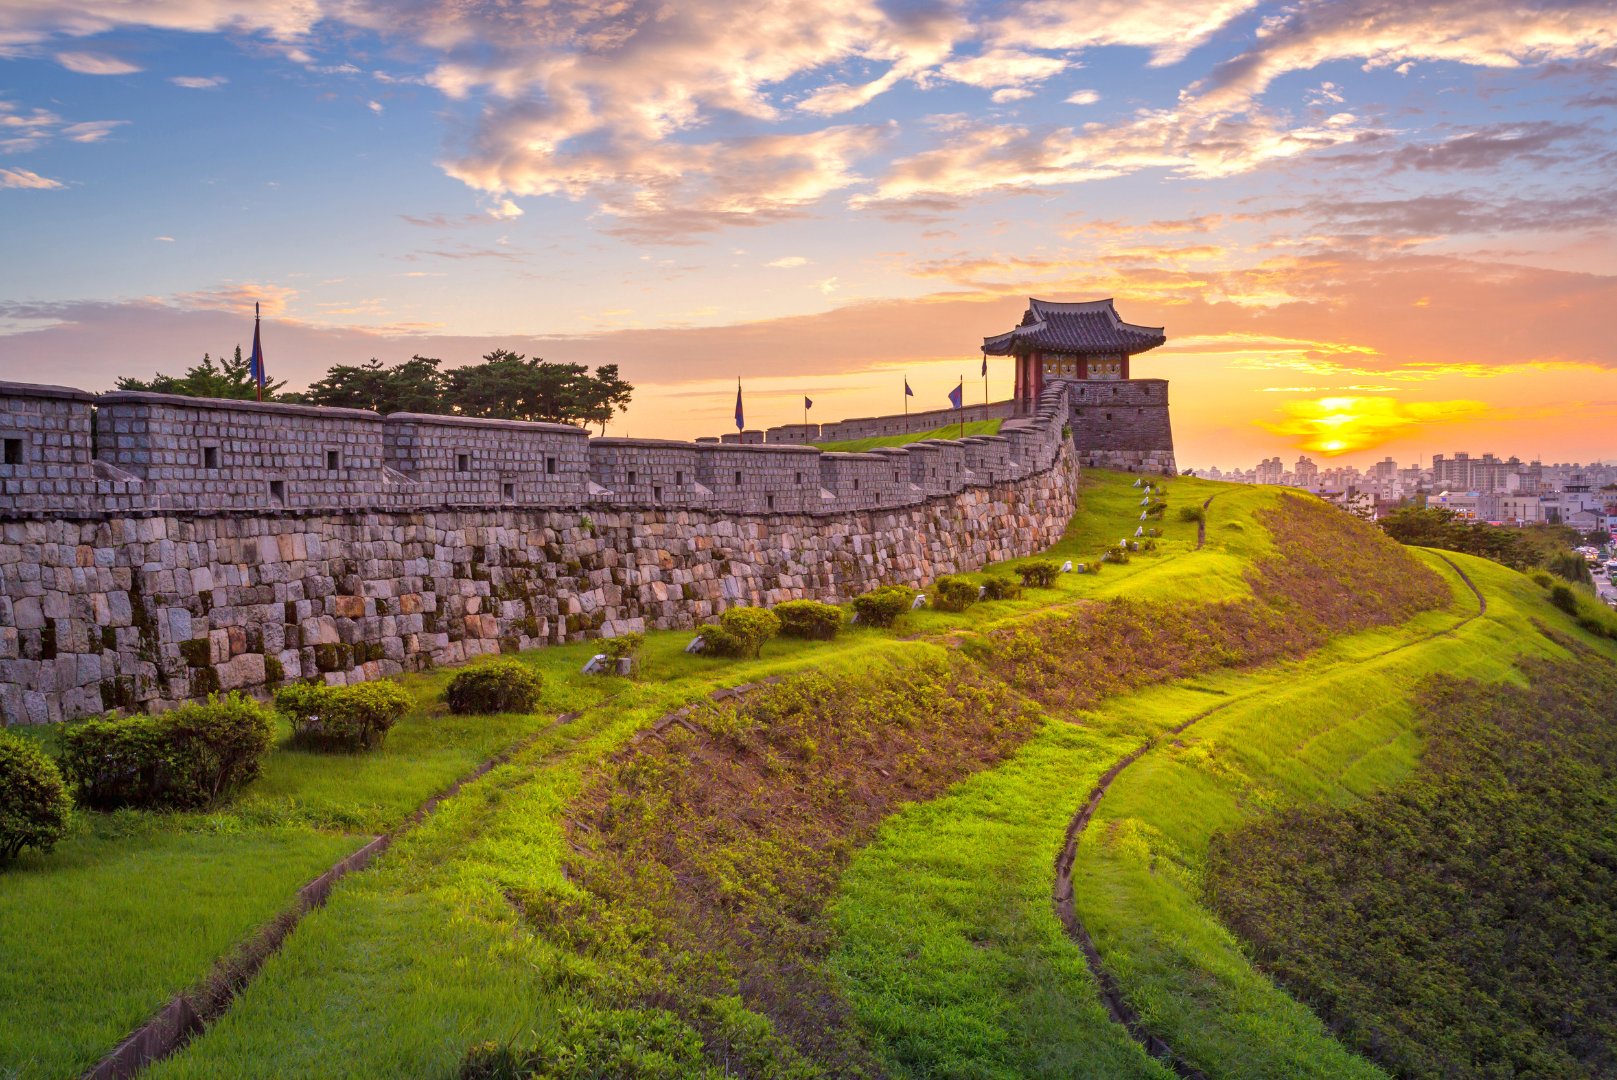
[134, 907]
[1109, 511]
[422, 956]
[949, 947]
[1327, 730]
[950, 950]
[950, 431]
[97, 937]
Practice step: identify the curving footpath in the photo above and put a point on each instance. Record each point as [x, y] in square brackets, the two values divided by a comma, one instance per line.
[1117, 1007]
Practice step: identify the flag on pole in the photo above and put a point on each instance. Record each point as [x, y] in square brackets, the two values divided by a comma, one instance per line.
[255, 367]
[808, 402]
[740, 423]
[957, 396]
[907, 391]
[985, 365]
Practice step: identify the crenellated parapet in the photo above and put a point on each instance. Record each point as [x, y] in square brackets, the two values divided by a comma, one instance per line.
[70, 453]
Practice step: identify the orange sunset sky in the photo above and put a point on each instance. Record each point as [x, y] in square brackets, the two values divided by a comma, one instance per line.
[1368, 228]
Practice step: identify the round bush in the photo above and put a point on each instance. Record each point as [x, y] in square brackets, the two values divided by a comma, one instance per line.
[881, 605]
[185, 758]
[1039, 573]
[741, 632]
[809, 619]
[1001, 587]
[34, 804]
[950, 593]
[358, 716]
[500, 686]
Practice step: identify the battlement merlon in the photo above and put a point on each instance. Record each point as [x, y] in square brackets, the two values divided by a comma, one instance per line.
[165, 453]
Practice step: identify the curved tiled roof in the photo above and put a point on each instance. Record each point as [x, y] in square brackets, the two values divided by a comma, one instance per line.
[1089, 328]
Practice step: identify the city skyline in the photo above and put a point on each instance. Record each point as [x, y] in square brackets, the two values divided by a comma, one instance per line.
[1367, 229]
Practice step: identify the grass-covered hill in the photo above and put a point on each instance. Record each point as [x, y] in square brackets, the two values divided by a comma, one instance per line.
[884, 856]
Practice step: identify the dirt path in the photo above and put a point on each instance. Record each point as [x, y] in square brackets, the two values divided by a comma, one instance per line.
[1111, 992]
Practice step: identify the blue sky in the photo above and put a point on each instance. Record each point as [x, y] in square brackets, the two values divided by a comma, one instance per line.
[1404, 208]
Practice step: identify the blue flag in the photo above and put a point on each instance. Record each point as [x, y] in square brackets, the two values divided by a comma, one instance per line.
[808, 402]
[740, 423]
[907, 391]
[985, 365]
[255, 367]
[957, 396]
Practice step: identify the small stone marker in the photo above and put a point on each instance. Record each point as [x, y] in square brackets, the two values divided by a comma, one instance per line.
[918, 601]
[1139, 531]
[596, 665]
[698, 643]
[1066, 567]
[982, 591]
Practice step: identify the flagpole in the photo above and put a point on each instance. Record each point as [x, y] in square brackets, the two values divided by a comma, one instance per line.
[260, 380]
[962, 406]
[906, 397]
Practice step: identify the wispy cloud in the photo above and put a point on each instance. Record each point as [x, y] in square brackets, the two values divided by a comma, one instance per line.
[198, 82]
[95, 63]
[22, 178]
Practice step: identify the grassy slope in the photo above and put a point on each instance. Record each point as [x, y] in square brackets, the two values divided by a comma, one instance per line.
[89, 958]
[418, 958]
[952, 431]
[413, 961]
[950, 949]
[1333, 727]
[434, 910]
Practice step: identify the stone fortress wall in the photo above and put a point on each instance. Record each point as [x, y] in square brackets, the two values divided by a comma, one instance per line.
[157, 548]
[1120, 423]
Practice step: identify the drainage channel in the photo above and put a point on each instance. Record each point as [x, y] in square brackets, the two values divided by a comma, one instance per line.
[191, 1012]
[1111, 991]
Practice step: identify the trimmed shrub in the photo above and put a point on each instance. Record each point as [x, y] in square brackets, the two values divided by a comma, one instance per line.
[1039, 573]
[1116, 553]
[1543, 579]
[809, 619]
[34, 804]
[881, 605]
[1192, 513]
[498, 686]
[1001, 587]
[358, 717]
[625, 646]
[741, 632]
[1565, 599]
[950, 593]
[188, 757]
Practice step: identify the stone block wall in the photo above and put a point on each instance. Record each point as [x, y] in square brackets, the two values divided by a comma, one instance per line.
[46, 439]
[118, 602]
[651, 472]
[1122, 424]
[951, 462]
[460, 460]
[195, 453]
[761, 478]
[988, 457]
[866, 427]
[142, 613]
